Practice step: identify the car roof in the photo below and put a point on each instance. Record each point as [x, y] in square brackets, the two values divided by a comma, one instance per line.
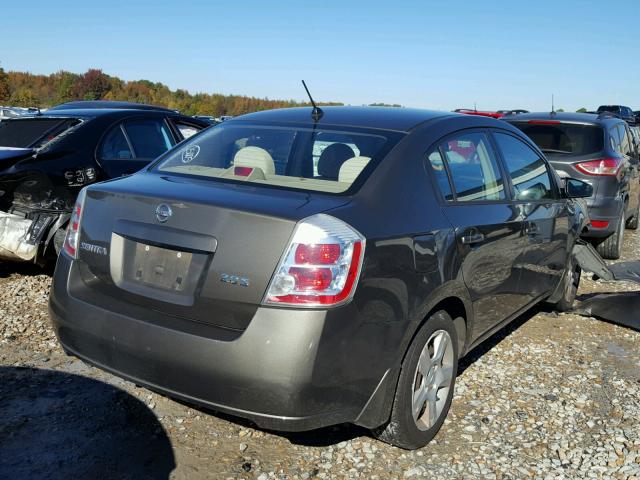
[564, 117]
[384, 118]
[106, 104]
[88, 113]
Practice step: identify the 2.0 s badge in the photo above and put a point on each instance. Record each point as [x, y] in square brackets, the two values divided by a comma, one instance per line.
[234, 280]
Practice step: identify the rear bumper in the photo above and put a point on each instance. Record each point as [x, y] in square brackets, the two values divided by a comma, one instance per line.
[607, 209]
[286, 371]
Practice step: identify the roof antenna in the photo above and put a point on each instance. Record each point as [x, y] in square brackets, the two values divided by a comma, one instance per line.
[317, 112]
[553, 108]
[475, 108]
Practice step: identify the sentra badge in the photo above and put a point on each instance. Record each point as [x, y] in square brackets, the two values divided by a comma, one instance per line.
[90, 247]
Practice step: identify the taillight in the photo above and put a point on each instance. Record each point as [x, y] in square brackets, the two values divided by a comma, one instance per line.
[73, 229]
[601, 166]
[321, 265]
[599, 223]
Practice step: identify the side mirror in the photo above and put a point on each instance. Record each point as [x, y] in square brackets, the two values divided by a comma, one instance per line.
[577, 188]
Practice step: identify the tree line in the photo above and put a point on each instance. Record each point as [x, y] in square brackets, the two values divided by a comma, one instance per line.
[29, 90]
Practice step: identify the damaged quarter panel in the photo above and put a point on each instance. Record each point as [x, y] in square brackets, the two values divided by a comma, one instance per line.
[46, 160]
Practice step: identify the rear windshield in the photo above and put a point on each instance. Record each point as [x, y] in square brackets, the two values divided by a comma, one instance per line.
[565, 138]
[609, 108]
[325, 160]
[33, 132]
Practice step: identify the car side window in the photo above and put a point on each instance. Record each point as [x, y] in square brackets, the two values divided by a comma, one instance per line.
[186, 130]
[626, 141]
[472, 165]
[115, 146]
[149, 138]
[440, 172]
[615, 139]
[528, 171]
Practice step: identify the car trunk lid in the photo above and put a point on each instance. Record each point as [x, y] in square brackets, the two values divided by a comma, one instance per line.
[198, 249]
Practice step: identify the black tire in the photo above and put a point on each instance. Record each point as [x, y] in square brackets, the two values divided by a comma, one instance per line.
[402, 430]
[570, 285]
[632, 223]
[611, 248]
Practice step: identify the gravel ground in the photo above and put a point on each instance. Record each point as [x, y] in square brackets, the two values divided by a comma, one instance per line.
[551, 396]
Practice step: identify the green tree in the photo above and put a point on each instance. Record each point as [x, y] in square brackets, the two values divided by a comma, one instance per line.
[581, 110]
[24, 97]
[4, 86]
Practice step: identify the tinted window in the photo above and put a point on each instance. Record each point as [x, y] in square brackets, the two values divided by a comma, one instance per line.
[564, 138]
[625, 142]
[528, 172]
[300, 157]
[33, 132]
[609, 108]
[115, 145]
[473, 167]
[149, 138]
[440, 172]
[615, 138]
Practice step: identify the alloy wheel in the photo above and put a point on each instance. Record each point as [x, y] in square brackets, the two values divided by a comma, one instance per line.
[432, 380]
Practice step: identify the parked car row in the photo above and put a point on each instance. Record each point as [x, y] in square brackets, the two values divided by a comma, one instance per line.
[307, 267]
[602, 149]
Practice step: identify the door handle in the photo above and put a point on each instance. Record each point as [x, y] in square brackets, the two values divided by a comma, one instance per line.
[472, 237]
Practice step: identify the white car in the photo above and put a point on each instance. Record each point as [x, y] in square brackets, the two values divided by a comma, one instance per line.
[9, 112]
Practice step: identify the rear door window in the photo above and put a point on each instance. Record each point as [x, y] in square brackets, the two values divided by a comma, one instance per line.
[439, 169]
[473, 168]
[149, 138]
[115, 145]
[528, 171]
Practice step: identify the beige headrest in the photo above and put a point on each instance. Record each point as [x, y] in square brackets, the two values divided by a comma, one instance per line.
[255, 157]
[350, 169]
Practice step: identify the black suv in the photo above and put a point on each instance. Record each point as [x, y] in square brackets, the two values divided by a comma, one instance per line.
[621, 111]
[46, 159]
[600, 150]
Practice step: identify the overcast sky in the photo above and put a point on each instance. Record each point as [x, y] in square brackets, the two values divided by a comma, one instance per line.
[440, 55]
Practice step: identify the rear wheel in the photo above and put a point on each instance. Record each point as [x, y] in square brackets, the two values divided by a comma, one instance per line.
[425, 387]
[570, 288]
[611, 248]
[632, 223]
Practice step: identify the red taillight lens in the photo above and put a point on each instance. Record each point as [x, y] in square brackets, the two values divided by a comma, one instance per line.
[599, 223]
[73, 229]
[316, 279]
[321, 265]
[242, 171]
[319, 254]
[601, 166]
